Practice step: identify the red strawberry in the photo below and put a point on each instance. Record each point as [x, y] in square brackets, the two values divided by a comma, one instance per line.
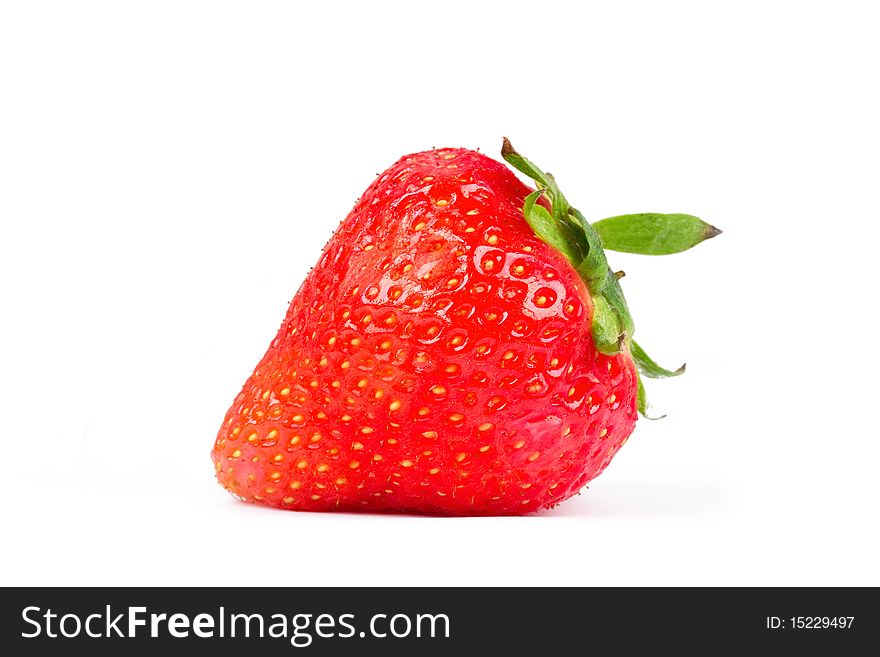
[443, 358]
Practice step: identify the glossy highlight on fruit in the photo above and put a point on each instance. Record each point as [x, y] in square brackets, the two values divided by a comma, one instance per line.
[438, 359]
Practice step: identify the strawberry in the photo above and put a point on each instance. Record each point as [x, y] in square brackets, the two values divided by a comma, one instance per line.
[460, 348]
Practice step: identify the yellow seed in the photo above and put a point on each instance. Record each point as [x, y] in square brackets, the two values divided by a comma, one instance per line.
[438, 390]
[357, 446]
[429, 434]
[377, 457]
[295, 440]
[461, 456]
[367, 430]
[278, 458]
[391, 441]
[406, 463]
[485, 426]
[302, 465]
[266, 395]
[316, 497]
[316, 437]
[485, 448]
[323, 467]
[287, 500]
[566, 431]
[252, 437]
[272, 435]
[236, 453]
[298, 418]
[362, 383]
[423, 411]
[526, 486]
[346, 418]
[492, 239]
[284, 392]
[395, 405]
[457, 340]
[420, 225]
[340, 481]
[533, 456]
[456, 417]
[472, 212]
[275, 475]
[433, 470]
[354, 465]
[508, 355]
[442, 203]
[354, 342]
[603, 433]
[344, 365]
[612, 398]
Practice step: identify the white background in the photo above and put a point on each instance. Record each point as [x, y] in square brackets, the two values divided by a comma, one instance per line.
[170, 170]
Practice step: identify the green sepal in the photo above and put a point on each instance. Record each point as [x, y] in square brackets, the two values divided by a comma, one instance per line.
[642, 400]
[547, 228]
[583, 244]
[594, 267]
[651, 233]
[524, 165]
[606, 328]
[641, 397]
[647, 366]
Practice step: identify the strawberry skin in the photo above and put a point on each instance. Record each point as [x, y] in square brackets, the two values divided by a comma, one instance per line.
[437, 359]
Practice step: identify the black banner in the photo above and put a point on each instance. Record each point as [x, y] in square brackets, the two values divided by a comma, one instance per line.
[434, 621]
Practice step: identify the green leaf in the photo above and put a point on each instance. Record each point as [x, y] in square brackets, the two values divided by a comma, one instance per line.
[647, 366]
[607, 328]
[653, 234]
[547, 228]
[641, 397]
[524, 165]
[615, 297]
[594, 267]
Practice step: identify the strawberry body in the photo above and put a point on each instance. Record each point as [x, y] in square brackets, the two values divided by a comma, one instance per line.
[437, 359]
